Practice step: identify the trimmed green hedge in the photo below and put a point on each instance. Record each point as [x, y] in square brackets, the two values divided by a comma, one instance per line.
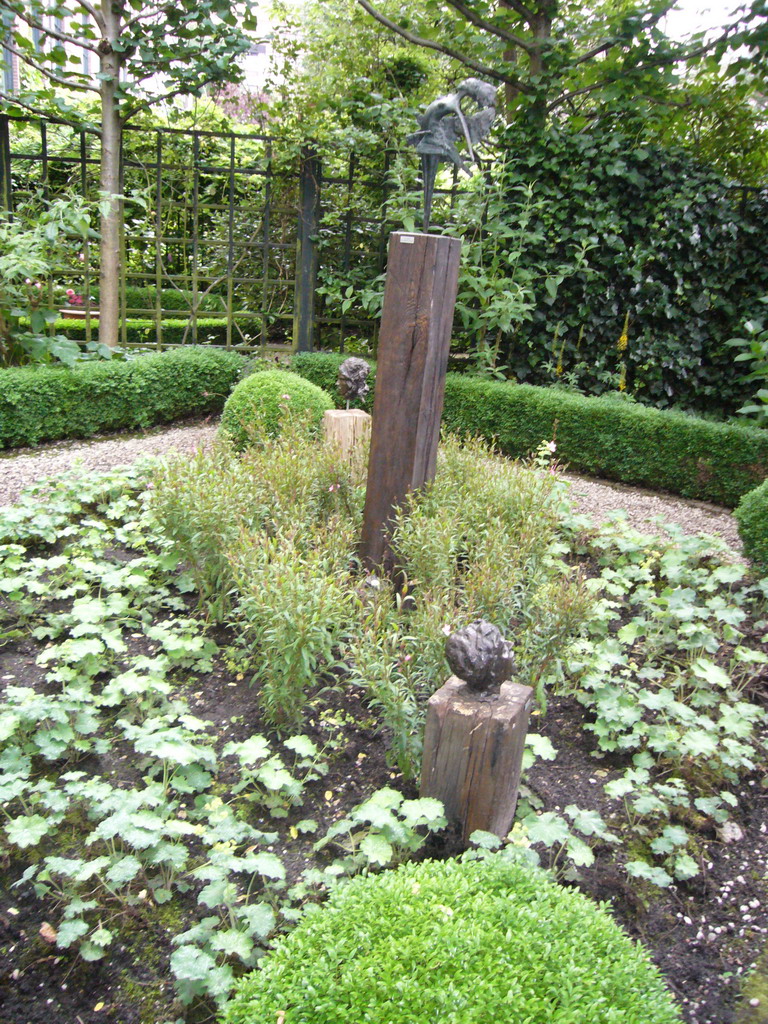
[47, 403]
[144, 297]
[618, 440]
[752, 518]
[605, 437]
[455, 943]
[210, 330]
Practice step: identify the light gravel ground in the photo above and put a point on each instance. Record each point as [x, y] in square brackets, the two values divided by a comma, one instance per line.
[593, 498]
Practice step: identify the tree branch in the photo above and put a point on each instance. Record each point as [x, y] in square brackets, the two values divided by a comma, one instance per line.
[163, 98]
[145, 15]
[676, 58]
[50, 75]
[94, 13]
[10, 98]
[522, 10]
[482, 69]
[601, 48]
[53, 33]
[489, 27]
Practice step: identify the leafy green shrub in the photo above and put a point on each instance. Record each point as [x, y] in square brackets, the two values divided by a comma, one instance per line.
[269, 536]
[49, 403]
[621, 441]
[259, 403]
[459, 943]
[32, 245]
[604, 436]
[259, 363]
[754, 349]
[296, 603]
[752, 518]
[215, 506]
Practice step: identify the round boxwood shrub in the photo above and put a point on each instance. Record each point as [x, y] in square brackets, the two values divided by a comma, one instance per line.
[752, 519]
[458, 943]
[259, 402]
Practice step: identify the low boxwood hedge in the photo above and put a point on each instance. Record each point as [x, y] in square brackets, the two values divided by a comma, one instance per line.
[752, 519]
[145, 297]
[47, 403]
[210, 330]
[458, 943]
[605, 437]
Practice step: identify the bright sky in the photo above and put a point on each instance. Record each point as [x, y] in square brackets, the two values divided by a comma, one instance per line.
[694, 15]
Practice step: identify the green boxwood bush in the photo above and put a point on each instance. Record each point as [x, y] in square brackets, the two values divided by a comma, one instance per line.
[48, 403]
[606, 437]
[458, 943]
[259, 401]
[752, 519]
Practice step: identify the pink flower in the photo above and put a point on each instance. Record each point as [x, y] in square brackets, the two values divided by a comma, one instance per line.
[28, 281]
[552, 446]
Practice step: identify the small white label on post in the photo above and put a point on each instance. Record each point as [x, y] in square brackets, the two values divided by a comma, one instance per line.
[407, 239]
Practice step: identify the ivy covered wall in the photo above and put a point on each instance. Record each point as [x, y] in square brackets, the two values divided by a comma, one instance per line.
[675, 262]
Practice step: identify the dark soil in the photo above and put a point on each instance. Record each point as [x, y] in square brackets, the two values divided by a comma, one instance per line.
[704, 935]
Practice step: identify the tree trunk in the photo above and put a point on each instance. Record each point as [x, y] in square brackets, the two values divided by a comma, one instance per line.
[541, 29]
[111, 135]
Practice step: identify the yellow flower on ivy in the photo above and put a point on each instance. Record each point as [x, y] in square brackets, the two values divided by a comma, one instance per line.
[621, 345]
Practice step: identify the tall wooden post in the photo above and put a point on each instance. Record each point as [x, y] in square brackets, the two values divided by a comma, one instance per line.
[5, 164]
[306, 252]
[416, 320]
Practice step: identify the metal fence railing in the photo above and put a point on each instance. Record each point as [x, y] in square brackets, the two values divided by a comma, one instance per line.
[229, 237]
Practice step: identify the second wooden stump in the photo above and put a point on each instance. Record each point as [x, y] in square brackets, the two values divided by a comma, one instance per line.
[473, 753]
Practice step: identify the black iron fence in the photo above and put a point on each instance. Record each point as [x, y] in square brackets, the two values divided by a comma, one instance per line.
[230, 237]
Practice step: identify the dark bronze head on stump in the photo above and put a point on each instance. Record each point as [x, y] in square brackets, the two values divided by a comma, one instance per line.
[353, 379]
[480, 655]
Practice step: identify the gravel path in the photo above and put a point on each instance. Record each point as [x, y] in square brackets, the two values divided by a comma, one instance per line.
[593, 498]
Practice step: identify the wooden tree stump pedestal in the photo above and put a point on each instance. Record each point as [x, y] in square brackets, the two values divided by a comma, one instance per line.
[473, 753]
[350, 431]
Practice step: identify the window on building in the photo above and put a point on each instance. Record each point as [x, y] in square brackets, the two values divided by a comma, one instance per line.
[8, 58]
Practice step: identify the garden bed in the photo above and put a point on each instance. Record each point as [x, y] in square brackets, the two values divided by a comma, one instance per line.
[103, 579]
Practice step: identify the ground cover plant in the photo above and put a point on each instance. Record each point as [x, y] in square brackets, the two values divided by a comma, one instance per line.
[210, 717]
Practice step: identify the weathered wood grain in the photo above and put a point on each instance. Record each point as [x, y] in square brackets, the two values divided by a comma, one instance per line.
[349, 430]
[419, 298]
[473, 753]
